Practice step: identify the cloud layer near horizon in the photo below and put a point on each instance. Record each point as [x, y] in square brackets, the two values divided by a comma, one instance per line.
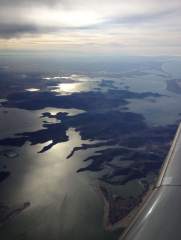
[128, 26]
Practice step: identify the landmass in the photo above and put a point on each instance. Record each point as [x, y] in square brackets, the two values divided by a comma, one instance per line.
[3, 175]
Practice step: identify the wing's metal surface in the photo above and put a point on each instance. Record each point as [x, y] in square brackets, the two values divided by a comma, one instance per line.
[160, 217]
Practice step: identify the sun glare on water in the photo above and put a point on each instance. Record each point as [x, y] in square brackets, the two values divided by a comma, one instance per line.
[68, 88]
[32, 89]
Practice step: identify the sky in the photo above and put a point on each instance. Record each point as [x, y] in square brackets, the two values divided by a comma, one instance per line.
[120, 27]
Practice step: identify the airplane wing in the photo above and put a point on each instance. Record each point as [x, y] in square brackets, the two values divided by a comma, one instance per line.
[160, 216]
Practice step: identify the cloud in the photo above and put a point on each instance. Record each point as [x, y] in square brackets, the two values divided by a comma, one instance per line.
[11, 30]
[130, 24]
[43, 14]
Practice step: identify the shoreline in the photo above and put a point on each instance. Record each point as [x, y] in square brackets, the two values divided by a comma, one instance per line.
[125, 221]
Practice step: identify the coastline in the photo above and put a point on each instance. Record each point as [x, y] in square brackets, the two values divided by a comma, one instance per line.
[124, 222]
